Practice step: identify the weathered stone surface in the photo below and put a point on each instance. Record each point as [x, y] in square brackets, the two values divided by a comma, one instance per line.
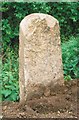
[40, 61]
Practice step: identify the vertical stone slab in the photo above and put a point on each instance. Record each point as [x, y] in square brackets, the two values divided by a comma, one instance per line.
[40, 60]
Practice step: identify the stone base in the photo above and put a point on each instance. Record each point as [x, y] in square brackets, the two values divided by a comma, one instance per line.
[37, 91]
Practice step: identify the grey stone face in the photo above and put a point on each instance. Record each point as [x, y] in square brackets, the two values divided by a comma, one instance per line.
[40, 60]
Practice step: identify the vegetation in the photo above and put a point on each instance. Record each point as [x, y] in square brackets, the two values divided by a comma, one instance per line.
[10, 87]
[67, 14]
[70, 57]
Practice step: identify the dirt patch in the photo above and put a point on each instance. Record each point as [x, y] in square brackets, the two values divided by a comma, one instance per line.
[62, 103]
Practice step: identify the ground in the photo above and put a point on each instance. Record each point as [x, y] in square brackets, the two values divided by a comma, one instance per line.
[61, 104]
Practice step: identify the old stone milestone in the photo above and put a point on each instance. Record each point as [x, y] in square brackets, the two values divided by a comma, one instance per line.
[40, 60]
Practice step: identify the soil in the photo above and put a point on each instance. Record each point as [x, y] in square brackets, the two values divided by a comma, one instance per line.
[61, 104]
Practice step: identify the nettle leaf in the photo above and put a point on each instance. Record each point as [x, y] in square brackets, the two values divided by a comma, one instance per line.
[10, 87]
[6, 92]
[13, 96]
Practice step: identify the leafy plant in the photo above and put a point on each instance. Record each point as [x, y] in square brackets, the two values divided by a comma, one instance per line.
[70, 55]
[67, 14]
[10, 85]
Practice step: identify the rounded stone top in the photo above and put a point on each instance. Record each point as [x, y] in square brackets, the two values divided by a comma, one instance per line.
[50, 20]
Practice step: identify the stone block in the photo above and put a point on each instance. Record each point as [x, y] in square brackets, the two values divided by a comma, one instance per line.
[40, 58]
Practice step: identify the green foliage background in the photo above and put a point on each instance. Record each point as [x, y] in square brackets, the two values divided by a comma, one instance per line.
[67, 14]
